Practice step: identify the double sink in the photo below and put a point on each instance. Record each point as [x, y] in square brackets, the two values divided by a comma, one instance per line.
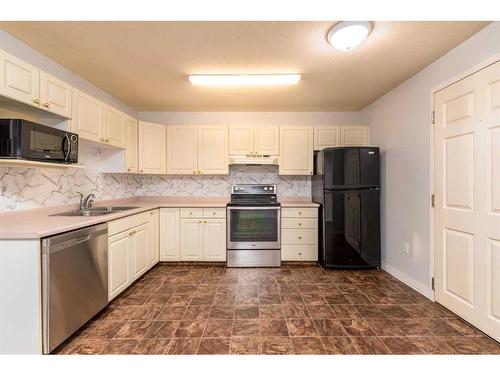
[95, 211]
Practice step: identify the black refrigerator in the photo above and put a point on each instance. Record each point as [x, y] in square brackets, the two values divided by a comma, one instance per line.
[346, 184]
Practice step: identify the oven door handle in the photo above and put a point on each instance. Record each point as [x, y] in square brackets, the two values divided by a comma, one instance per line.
[254, 208]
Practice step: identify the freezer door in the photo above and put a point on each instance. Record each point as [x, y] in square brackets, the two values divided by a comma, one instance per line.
[351, 229]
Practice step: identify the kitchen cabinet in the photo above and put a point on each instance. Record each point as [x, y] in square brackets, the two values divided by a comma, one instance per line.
[131, 145]
[87, 116]
[113, 126]
[299, 234]
[191, 240]
[182, 149]
[154, 238]
[354, 135]
[119, 251]
[139, 249]
[197, 150]
[55, 95]
[152, 148]
[19, 80]
[253, 140]
[326, 136]
[296, 150]
[214, 240]
[213, 155]
[169, 234]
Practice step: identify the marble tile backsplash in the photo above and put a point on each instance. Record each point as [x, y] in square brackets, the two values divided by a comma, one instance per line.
[33, 188]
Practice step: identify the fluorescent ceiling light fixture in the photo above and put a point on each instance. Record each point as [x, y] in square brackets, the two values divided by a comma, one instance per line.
[348, 35]
[243, 79]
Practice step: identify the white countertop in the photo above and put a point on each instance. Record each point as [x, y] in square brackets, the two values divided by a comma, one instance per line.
[37, 223]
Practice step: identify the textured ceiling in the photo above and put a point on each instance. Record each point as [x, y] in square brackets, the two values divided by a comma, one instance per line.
[145, 64]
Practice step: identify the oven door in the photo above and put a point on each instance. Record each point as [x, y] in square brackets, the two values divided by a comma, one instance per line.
[253, 228]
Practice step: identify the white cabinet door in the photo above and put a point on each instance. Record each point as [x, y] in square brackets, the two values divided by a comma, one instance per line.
[87, 117]
[169, 235]
[266, 140]
[114, 126]
[354, 135]
[214, 240]
[154, 238]
[191, 241]
[19, 80]
[118, 263]
[326, 136]
[241, 140]
[296, 150]
[152, 148]
[182, 150]
[139, 250]
[55, 95]
[213, 157]
[131, 144]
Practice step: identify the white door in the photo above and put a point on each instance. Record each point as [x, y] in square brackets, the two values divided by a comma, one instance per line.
[213, 157]
[139, 250]
[326, 136]
[169, 235]
[296, 150]
[241, 140]
[118, 263]
[87, 117]
[55, 95]
[154, 238]
[182, 149]
[467, 188]
[114, 125]
[354, 135]
[131, 144]
[152, 148]
[266, 140]
[191, 240]
[19, 80]
[214, 240]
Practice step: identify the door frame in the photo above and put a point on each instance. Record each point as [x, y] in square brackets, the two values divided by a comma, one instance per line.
[474, 69]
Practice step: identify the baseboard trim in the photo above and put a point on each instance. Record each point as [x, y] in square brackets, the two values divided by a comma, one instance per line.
[412, 283]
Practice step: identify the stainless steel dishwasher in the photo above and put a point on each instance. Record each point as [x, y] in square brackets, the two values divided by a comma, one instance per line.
[74, 281]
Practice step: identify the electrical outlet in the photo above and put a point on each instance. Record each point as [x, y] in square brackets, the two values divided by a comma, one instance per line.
[406, 248]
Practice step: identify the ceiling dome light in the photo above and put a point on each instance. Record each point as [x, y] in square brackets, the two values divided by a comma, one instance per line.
[347, 35]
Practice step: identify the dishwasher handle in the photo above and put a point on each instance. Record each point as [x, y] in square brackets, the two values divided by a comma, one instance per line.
[51, 245]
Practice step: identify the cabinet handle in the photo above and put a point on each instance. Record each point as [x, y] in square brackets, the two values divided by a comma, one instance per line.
[151, 213]
[213, 213]
[46, 105]
[142, 171]
[190, 213]
[300, 224]
[300, 237]
[36, 101]
[300, 212]
[107, 140]
[128, 169]
[205, 221]
[199, 221]
[300, 253]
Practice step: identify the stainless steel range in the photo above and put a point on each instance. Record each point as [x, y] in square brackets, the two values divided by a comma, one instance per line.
[253, 227]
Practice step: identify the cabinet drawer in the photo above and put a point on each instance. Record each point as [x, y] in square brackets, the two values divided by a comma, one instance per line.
[305, 253]
[192, 212]
[299, 212]
[298, 223]
[299, 236]
[123, 224]
[214, 212]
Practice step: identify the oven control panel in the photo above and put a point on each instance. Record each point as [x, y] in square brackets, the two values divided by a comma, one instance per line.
[253, 189]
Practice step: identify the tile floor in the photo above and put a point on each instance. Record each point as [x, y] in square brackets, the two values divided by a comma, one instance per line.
[290, 310]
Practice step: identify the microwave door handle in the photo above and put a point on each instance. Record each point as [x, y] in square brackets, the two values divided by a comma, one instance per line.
[66, 140]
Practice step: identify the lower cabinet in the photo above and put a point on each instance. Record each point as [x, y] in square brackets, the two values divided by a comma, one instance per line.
[193, 234]
[299, 234]
[131, 249]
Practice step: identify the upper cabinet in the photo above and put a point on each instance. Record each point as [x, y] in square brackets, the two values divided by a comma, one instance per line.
[354, 135]
[326, 136]
[87, 116]
[55, 95]
[197, 149]
[253, 140]
[296, 150]
[25, 83]
[152, 148]
[131, 144]
[113, 126]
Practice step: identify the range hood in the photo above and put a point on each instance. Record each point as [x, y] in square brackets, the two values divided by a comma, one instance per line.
[253, 159]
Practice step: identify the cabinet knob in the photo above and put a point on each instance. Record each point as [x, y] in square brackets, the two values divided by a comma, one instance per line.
[300, 213]
[36, 101]
[142, 171]
[199, 221]
[152, 213]
[205, 221]
[46, 105]
[107, 140]
[300, 224]
[190, 213]
[102, 139]
[213, 213]
[128, 169]
[300, 253]
[300, 237]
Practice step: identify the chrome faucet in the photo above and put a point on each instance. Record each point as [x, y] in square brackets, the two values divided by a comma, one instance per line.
[86, 202]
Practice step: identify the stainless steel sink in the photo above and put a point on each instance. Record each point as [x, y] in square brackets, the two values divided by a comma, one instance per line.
[95, 211]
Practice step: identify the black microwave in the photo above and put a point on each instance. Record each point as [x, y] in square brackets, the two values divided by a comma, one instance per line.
[22, 139]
